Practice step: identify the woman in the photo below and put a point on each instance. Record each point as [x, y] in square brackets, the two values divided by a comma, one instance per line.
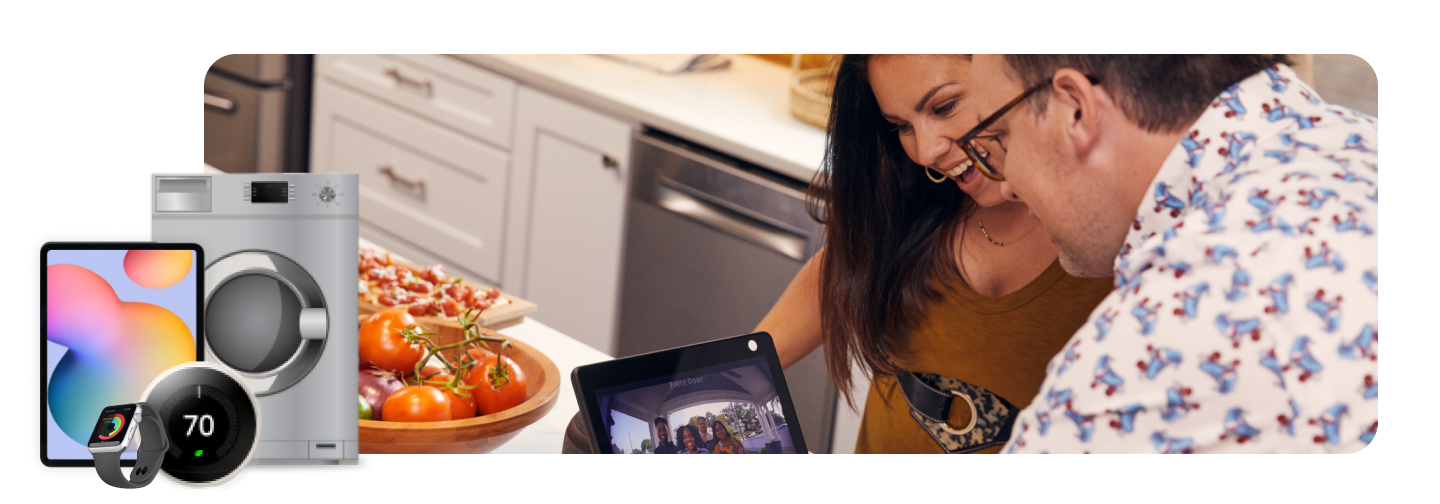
[724, 442]
[927, 268]
[690, 442]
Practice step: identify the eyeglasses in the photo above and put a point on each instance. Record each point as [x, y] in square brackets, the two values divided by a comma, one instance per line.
[978, 145]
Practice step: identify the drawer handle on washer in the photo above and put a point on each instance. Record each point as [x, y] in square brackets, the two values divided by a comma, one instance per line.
[414, 185]
[223, 104]
[729, 221]
[400, 78]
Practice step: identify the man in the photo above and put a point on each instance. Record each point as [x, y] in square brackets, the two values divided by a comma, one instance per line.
[663, 445]
[705, 436]
[1238, 214]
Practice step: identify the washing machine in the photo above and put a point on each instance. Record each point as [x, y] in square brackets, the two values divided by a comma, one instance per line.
[280, 303]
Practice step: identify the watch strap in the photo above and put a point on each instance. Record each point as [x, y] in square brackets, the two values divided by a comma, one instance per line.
[148, 457]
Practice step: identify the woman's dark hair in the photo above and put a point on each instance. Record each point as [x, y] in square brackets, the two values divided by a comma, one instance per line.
[718, 426]
[694, 431]
[889, 233]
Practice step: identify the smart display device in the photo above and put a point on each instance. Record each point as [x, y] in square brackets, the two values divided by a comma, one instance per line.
[651, 403]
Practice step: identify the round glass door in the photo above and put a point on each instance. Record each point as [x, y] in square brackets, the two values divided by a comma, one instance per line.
[265, 319]
[253, 322]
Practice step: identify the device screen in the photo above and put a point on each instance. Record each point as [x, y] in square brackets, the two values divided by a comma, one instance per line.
[729, 408]
[110, 428]
[202, 423]
[114, 320]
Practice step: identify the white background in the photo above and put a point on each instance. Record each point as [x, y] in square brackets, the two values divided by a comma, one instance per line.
[95, 97]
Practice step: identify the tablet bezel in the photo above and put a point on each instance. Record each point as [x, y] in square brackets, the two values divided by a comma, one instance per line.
[45, 336]
[599, 376]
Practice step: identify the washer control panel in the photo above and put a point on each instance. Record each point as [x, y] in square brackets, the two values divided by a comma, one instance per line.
[328, 194]
[269, 192]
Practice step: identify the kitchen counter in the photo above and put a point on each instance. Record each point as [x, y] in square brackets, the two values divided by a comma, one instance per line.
[547, 434]
[742, 111]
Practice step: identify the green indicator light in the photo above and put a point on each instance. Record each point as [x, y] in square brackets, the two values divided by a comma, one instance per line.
[199, 452]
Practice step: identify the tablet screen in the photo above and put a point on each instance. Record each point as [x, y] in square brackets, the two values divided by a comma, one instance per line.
[114, 319]
[733, 407]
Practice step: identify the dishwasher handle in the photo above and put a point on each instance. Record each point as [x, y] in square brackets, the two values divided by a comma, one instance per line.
[674, 199]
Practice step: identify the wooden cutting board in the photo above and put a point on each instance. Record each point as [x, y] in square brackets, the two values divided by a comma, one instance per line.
[490, 318]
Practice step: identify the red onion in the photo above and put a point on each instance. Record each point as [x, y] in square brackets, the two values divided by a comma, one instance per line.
[376, 385]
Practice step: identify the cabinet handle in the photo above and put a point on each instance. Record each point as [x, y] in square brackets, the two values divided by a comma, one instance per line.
[401, 79]
[413, 185]
[610, 163]
[216, 102]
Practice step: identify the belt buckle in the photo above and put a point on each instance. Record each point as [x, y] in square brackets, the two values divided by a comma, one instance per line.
[974, 415]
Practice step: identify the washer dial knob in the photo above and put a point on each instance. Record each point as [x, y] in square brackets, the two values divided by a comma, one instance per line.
[327, 194]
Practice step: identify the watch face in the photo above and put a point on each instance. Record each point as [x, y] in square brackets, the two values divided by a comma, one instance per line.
[210, 420]
[110, 428]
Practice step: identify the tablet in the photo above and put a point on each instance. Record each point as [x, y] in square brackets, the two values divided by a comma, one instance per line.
[725, 396]
[113, 316]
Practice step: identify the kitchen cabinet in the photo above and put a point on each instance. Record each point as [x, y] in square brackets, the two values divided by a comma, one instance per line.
[424, 185]
[567, 214]
[468, 99]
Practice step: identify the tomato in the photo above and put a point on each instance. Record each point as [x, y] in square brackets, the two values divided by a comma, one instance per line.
[416, 403]
[418, 286]
[461, 405]
[382, 344]
[497, 389]
[434, 274]
[458, 292]
[450, 306]
[480, 355]
[422, 307]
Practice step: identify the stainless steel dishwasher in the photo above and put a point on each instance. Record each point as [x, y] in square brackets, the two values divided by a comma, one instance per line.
[711, 242]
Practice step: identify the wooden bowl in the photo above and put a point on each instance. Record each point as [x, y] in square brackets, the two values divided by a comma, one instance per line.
[472, 435]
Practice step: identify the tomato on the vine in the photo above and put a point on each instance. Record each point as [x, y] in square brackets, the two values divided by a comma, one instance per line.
[461, 404]
[416, 403]
[382, 344]
[497, 387]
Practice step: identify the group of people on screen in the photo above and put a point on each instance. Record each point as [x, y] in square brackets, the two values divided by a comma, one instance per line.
[702, 437]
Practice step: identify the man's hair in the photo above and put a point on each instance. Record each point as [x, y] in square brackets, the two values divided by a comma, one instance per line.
[1159, 92]
[660, 420]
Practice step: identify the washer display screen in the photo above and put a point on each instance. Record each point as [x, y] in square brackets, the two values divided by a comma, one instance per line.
[210, 421]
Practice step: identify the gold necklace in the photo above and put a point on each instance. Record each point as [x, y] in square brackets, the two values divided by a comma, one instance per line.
[987, 233]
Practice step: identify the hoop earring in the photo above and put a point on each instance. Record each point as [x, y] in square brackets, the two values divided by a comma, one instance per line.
[933, 179]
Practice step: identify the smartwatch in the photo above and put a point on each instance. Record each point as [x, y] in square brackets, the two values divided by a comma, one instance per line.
[115, 431]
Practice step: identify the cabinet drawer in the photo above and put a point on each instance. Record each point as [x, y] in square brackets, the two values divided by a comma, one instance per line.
[469, 99]
[418, 181]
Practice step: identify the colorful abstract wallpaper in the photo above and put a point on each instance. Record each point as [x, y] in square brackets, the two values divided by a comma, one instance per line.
[115, 319]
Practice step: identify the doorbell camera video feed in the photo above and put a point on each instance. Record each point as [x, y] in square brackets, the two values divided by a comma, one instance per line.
[731, 409]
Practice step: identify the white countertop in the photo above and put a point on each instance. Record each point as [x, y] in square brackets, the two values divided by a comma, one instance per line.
[546, 434]
[743, 110]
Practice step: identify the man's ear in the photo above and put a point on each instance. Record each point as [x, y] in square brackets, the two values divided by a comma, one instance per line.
[1082, 102]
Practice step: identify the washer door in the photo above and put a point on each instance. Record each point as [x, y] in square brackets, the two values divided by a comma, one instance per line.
[265, 319]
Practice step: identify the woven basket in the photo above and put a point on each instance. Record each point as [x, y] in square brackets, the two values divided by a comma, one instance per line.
[810, 92]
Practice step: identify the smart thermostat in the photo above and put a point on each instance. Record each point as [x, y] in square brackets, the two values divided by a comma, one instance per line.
[211, 419]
